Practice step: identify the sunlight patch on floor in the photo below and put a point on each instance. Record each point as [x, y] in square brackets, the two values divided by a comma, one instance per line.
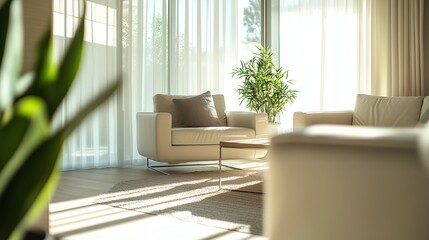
[82, 219]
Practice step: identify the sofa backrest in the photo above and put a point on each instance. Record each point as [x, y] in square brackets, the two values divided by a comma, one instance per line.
[387, 111]
[164, 103]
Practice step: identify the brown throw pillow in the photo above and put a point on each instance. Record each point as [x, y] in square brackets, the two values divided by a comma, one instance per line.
[198, 111]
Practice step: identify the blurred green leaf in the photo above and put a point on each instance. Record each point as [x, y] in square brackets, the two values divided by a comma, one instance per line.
[23, 83]
[11, 49]
[51, 82]
[68, 68]
[28, 166]
[21, 135]
[4, 24]
[33, 177]
[28, 183]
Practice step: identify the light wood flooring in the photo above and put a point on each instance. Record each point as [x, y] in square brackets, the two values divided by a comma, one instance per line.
[73, 215]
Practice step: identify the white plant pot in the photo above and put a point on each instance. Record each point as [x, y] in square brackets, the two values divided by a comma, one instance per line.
[275, 129]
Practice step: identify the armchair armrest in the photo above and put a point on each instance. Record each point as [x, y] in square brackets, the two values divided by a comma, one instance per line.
[323, 176]
[256, 121]
[304, 119]
[153, 133]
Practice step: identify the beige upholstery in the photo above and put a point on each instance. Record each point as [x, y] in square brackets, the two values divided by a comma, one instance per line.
[209, 135]
[304, 119]
[387, 111]
[340, 182]
[162, 138]
[424, 147]
[371, 111]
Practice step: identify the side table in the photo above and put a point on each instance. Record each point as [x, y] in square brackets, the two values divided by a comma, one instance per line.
[255, 143]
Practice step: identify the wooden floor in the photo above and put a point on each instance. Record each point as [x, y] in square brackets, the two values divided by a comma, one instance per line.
[73, 215]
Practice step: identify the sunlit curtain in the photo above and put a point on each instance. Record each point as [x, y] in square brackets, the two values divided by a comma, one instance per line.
[206, 40]
[159, 46]
[398, 48]
[95, 142]
[180, 47]
[188, 46]
[326, 46]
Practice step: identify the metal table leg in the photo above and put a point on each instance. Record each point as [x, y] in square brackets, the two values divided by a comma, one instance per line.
[220, 167]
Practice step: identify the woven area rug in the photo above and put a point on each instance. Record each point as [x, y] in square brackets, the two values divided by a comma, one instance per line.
[195, 197]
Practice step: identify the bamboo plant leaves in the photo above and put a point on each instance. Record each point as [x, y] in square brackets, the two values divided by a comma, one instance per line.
[11, 39]
[29, 147]
[265, 88]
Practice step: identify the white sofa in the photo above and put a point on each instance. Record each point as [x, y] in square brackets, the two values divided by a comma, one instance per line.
[162, 137]
[362, 182]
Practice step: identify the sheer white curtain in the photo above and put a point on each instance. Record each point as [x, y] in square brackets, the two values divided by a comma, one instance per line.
[336, 49]
[326, 46]
[207, 39]
[204, 43]
[95, 142]
[160, 46]
[180, 47]
[144, 62]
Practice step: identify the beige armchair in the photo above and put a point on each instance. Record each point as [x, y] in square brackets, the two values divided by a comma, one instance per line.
[330, 182]
[162, 137]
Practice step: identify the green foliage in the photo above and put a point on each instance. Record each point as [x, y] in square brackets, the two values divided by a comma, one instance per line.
[265, 88]
[29, 147]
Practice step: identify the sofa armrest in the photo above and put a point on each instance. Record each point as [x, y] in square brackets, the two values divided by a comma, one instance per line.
[256, 121]
[153, 133]
[321, 177]
[353, 136]
[304, 119]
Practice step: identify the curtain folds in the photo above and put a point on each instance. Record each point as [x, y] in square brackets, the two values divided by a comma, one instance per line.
[159, 46]
[324, 45]
[333, 49]
[398, 55]
[336, 49]
[94, 143]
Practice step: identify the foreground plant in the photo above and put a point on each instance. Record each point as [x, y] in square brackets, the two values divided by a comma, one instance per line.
[29, 147]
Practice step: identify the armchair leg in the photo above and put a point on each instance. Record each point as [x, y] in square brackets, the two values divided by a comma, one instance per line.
[154, 167]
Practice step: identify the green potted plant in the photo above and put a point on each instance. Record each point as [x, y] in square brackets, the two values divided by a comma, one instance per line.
[265, 87]
[29, 146]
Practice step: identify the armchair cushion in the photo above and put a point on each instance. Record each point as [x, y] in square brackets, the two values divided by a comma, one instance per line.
[208, 135]
[387, 111]
[198, 111]
[304, 119]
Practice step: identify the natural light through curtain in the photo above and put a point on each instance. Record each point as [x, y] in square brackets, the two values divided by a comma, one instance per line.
[94, 143]
[207, 40]
[325, 45]
[179, 47]
[160, 46]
